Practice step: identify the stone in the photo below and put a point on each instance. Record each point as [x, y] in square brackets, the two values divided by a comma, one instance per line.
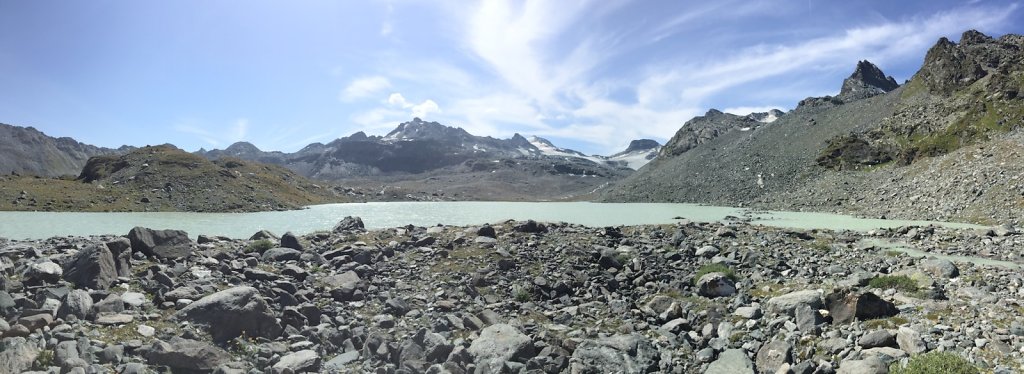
[93, 267]
[36, 321]
[877, 338]
[263, 235]
[111, 319]
[133, 368]
[185, 354]
[910, 341]
[707, 251]
[343, 286]
[844, 306]
[808, 319]
[121, 250]
[501, 342]
[786, 304]
[134, 299]
[46, 271]
[870, 365]
[339, 362]
[487, 231]
[888, 355]
[731, 361]
[77, 303]
[715, 284]
[280, 255]
[298, 362]
[349, 224]
[7, 305]
[111, 304]
[748, 312]
[231, 312]
[940, 268]
[773, 355]
[629, 354]
[169, 244]
[16, 355]
[146, 331]
[289, 240]
[530, 226]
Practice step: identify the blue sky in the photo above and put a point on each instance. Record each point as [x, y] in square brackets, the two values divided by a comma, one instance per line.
[590, 75]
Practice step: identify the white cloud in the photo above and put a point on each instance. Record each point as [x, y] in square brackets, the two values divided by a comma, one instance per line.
[240, 129]
[416, 110]
[364, 87]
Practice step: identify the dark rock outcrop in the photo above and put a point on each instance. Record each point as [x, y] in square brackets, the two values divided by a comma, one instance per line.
[93, 267]
[169, 244]
[232, 312]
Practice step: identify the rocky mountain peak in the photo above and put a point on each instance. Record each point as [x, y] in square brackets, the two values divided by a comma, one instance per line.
[642, 145]
[972, 37]
[867, 80]
[242, 147]
[418, 129]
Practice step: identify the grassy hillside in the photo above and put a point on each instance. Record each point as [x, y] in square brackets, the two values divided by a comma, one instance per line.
[164, 178]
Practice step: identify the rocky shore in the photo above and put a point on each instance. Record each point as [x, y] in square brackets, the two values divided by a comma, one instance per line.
[513, 297]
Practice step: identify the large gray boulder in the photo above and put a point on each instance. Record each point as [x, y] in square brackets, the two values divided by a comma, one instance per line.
[93, 267]
[16, 355]
[870, 365]
[773, 355]
[121, 249]
[731, 361]
[232, 312]
[298, 362]
[289, 240]
[940, 268]
[76, 303]
[501, 342]
[786, 304]
[628, 354]
[349, 224]
[845, 306]
[169, 244]
[281, 254]
[187, 355]
[715, 285]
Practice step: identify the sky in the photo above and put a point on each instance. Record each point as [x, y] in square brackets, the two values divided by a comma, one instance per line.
[587, 74]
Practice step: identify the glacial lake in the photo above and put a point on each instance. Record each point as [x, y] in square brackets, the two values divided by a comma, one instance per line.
[41, 225]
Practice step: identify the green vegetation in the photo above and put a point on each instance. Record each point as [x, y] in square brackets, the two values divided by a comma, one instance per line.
[898, 282]
[44, 360]
[935, 363]
[886, 323]
[259, 246]
[975, 125]
[522, 294]
[715, 268]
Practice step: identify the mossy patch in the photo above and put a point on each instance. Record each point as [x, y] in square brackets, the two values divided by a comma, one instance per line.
[935, 362]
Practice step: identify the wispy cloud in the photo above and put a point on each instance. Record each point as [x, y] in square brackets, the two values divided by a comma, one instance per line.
[364, 87]
[216, 135]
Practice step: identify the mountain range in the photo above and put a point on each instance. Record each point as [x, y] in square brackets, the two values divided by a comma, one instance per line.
[944, 145]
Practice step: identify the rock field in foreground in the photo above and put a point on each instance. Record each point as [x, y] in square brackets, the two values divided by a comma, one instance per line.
[509, 298]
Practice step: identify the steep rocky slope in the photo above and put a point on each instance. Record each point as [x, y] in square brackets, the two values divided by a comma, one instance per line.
[25, 150]
[164, 178]
[940, 147]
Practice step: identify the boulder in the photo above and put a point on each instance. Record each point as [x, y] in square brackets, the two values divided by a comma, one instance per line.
[628, 354]
[170, 244]
[76, 303]
[289, 240]
[877, 338]
[773, 355]
[870, 365]
[298, 362]
[715, 285]
[263, 235]
[343, 286]
[232, 312]
[487, 231]
[786, 304]
[93, 267]
[845, 306]
[731, 361]
[501, 342]
[187, 355]
[121, 250]
[530, 226]
[349, 224]
[46, 272]
[940, 268]
[281, 255]
[16, 355]
[910, 341]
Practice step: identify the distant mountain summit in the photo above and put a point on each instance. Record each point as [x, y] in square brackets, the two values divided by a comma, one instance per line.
[867, 80]
[25, 150]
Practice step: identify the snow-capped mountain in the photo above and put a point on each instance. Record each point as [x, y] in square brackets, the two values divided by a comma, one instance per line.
[638, 154]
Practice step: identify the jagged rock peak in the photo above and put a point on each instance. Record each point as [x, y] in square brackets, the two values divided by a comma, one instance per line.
[972, 37]
[642, 145]
[867, 80]
[420, 129]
